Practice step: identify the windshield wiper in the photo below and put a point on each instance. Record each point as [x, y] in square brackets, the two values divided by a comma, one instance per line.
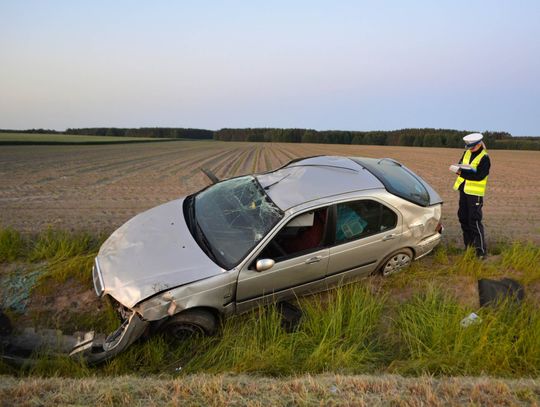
[205, 244]
[189, 213]
[266, 188]
[196, 230]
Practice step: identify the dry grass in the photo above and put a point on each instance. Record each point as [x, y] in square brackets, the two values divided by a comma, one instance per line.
[228, 390]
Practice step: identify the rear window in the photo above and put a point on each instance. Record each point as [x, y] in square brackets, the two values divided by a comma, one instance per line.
[397, 179]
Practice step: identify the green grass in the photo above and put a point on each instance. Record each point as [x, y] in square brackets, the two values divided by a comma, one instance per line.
[408, 323]
[431, 341]
[50, 245]
[24, 138]
[524, 258]
[66, 254]
[517, 260]
[337, 334]
[12, 245]
[57, 245]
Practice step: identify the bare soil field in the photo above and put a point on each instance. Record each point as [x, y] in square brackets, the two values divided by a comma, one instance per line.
[97, 188]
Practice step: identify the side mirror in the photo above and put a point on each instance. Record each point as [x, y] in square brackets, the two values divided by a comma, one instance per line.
[264, 264]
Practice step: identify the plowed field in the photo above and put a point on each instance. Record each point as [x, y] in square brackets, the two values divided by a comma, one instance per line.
[97, 188]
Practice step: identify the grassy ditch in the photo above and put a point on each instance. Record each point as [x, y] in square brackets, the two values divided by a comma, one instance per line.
[67, 255]
[429, 338]
[407, 324]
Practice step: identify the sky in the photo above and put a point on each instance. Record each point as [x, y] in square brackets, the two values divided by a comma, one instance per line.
[346, 65]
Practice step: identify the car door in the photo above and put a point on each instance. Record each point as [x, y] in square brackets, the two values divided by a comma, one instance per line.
[300, 253]
[366, 231]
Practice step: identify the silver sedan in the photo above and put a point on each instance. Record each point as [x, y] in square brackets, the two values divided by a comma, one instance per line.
[303, 228]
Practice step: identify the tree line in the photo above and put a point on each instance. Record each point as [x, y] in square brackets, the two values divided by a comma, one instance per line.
[426, 137]
[151, 132]
[405, 137]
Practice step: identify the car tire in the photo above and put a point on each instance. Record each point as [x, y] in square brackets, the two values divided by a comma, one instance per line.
[396, 262]
[191, 323]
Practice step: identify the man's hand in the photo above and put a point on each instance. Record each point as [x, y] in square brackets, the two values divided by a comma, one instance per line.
[454, 168]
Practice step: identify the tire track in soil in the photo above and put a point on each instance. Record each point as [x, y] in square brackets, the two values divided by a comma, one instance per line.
[110, 158]
[227, 165]
[181, 164]
[142, 156]
[256, 160]
[246, 166]
[133, 170]
[42, 192]
[233, 169]
[215, 160]
[48, 157]
[185, 158]
[276, 158]
[267, 162]
[224, 168]
[105, 160]
[284, 151]
[196, 165]
[162, 166]
[272, 158]
[195, 172]
[116, 166]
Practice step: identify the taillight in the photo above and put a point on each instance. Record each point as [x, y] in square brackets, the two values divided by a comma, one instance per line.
[439, 228]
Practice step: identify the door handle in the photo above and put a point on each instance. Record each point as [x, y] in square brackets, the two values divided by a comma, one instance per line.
[389, 237]
[315, 259]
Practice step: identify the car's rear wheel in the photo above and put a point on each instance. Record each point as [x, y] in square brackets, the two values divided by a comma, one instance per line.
[396, 262]
[191, 323]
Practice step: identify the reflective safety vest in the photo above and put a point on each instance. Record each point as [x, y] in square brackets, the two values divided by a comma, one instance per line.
[472, 187]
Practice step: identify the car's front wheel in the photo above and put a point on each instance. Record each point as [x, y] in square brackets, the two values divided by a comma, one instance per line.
[396, 262]
[191, 323]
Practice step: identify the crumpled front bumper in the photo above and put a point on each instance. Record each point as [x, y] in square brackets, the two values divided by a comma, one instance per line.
[96, 349]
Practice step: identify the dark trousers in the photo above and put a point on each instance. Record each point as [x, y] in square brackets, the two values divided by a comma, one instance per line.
[470, 217]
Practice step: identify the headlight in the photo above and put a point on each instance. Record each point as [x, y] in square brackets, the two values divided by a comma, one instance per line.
[98, 279]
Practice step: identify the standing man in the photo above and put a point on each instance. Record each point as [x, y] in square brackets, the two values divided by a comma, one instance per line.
[472, 171]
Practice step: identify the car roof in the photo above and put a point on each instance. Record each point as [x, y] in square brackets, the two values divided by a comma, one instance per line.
[312, 178]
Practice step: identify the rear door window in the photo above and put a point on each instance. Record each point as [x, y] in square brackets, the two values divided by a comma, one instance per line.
[357, 219]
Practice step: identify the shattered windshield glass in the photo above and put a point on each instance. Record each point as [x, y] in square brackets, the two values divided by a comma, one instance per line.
[233, 216]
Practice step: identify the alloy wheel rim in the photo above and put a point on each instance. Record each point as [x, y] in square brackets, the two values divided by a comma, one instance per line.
[396, 263]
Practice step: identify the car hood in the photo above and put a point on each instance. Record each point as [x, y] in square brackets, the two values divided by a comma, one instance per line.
[152, 252]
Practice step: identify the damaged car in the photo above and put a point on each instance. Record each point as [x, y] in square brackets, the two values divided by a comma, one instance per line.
[247, 241]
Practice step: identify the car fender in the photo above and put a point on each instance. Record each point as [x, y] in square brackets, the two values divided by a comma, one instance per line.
[215, 292]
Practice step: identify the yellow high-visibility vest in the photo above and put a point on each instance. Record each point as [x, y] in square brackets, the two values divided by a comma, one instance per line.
[477, 188]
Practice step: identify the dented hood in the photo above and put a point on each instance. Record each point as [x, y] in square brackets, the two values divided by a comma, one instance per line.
[152, 252]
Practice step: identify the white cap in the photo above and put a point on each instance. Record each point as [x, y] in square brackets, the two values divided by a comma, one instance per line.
[472, 139]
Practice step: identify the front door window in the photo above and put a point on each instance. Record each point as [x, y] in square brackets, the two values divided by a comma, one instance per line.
[301, 259]
[303, 234]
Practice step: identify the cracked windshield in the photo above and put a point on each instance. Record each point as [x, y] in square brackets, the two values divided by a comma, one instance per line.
[233, 217]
